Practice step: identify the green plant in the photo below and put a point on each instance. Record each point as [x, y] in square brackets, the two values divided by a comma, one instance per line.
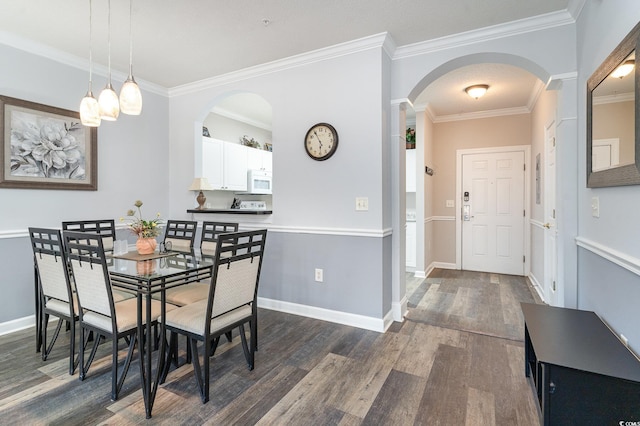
[140, 227]
[411, 135]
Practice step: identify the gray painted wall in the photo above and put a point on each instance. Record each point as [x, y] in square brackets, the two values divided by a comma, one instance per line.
[611, 290]
[132, 164]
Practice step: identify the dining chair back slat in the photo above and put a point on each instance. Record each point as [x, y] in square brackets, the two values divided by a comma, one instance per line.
[210, 232]
[106, 228]
[181, 234]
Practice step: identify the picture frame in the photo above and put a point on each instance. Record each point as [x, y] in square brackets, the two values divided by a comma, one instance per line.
[45, 147]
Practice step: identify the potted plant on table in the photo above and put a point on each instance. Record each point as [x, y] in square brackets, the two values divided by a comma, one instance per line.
[146, 230]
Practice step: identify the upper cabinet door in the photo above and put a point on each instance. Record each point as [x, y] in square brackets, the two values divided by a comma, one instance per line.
[258, 159]
[235, 166]
[224, 164]
[212, 162]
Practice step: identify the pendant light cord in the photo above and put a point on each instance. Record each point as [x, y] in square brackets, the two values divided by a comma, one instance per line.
[90, 46]
[130, 38]
[109, 40]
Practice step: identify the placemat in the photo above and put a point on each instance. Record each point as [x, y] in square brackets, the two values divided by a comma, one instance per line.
[134, 255]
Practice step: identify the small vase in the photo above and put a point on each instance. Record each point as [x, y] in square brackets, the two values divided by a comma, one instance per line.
[146, 245]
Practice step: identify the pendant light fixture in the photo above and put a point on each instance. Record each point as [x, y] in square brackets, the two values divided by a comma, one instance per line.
[130, 96]
[108, 100]
[89, 108]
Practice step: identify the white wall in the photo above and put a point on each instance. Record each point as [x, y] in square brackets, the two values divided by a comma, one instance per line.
[132, 164]
[609, 256]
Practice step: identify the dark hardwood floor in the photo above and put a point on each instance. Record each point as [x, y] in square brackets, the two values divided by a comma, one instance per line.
[458, 359]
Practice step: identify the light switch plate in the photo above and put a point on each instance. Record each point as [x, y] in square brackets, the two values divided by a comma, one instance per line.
[595, 206]
[449, 203]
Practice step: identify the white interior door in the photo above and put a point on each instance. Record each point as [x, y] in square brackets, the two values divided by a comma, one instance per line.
[551, 229]
[493, 212]
[605, 154]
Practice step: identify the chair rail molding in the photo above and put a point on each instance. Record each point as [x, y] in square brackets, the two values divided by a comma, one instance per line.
[630, 263]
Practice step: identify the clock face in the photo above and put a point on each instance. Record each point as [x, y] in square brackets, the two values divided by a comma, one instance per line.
[321, 141]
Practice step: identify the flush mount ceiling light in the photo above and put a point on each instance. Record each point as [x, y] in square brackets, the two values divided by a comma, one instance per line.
[476, 91]
[624, 69]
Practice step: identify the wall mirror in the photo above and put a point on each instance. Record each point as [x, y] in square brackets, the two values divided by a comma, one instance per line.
[613, 138]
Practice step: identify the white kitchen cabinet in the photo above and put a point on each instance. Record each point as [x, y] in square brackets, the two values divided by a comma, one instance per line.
[411, 170]
[224, 164]
[411, 245]
[259, 159]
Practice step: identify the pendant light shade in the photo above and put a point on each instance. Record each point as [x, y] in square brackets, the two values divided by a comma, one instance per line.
[130, 96]
[89, 108]
[108, 100]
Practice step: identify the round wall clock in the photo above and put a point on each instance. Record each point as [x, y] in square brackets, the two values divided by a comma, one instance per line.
[321, 141]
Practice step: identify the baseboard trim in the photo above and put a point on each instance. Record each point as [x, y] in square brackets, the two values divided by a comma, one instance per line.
[536, 286]
[17, 324]
[442, 265]
[354, 320]
[399, 311]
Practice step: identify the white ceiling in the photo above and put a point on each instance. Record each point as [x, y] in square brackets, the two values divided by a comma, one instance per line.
[180, 42]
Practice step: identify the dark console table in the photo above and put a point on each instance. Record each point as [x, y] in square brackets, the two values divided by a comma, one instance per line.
[582, 372]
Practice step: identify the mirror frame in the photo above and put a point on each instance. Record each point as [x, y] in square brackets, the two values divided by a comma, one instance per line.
[627, 174]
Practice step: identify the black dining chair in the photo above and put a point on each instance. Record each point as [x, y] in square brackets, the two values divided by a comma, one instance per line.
[54, 290]
[231, 304]
[180, 235]
[98, 311]
[106, 228]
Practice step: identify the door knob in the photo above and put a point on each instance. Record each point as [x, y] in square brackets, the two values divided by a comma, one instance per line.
[547, 225]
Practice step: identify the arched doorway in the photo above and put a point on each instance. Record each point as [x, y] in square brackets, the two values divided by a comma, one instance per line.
[434, 203]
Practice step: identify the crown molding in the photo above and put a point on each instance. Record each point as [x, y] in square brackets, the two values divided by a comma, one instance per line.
[241, 118]
[537, 23]
[482, 114]
[612, 99]
[575, 8]
[73, 61]
[327, 53]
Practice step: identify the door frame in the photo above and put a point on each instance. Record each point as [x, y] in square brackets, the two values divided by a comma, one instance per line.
[550, 291]
[526, 149]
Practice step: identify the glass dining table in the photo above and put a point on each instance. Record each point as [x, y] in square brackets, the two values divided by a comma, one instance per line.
[148, 276]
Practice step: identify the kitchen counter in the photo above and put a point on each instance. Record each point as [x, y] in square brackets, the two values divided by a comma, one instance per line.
[231, 211]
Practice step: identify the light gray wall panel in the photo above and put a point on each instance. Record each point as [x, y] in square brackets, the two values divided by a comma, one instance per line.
[353, 272]
[611, 292]
[17, 282]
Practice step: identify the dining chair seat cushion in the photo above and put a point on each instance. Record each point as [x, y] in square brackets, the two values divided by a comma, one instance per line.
[188, 293]
[126, 315]
[62, 307]
[191, 318]
[120, 295]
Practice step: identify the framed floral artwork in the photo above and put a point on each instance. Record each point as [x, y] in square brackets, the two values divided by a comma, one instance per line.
[45, 147]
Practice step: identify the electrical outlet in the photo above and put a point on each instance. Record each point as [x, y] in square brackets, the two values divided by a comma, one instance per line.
[319, 275]
[362, 203]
